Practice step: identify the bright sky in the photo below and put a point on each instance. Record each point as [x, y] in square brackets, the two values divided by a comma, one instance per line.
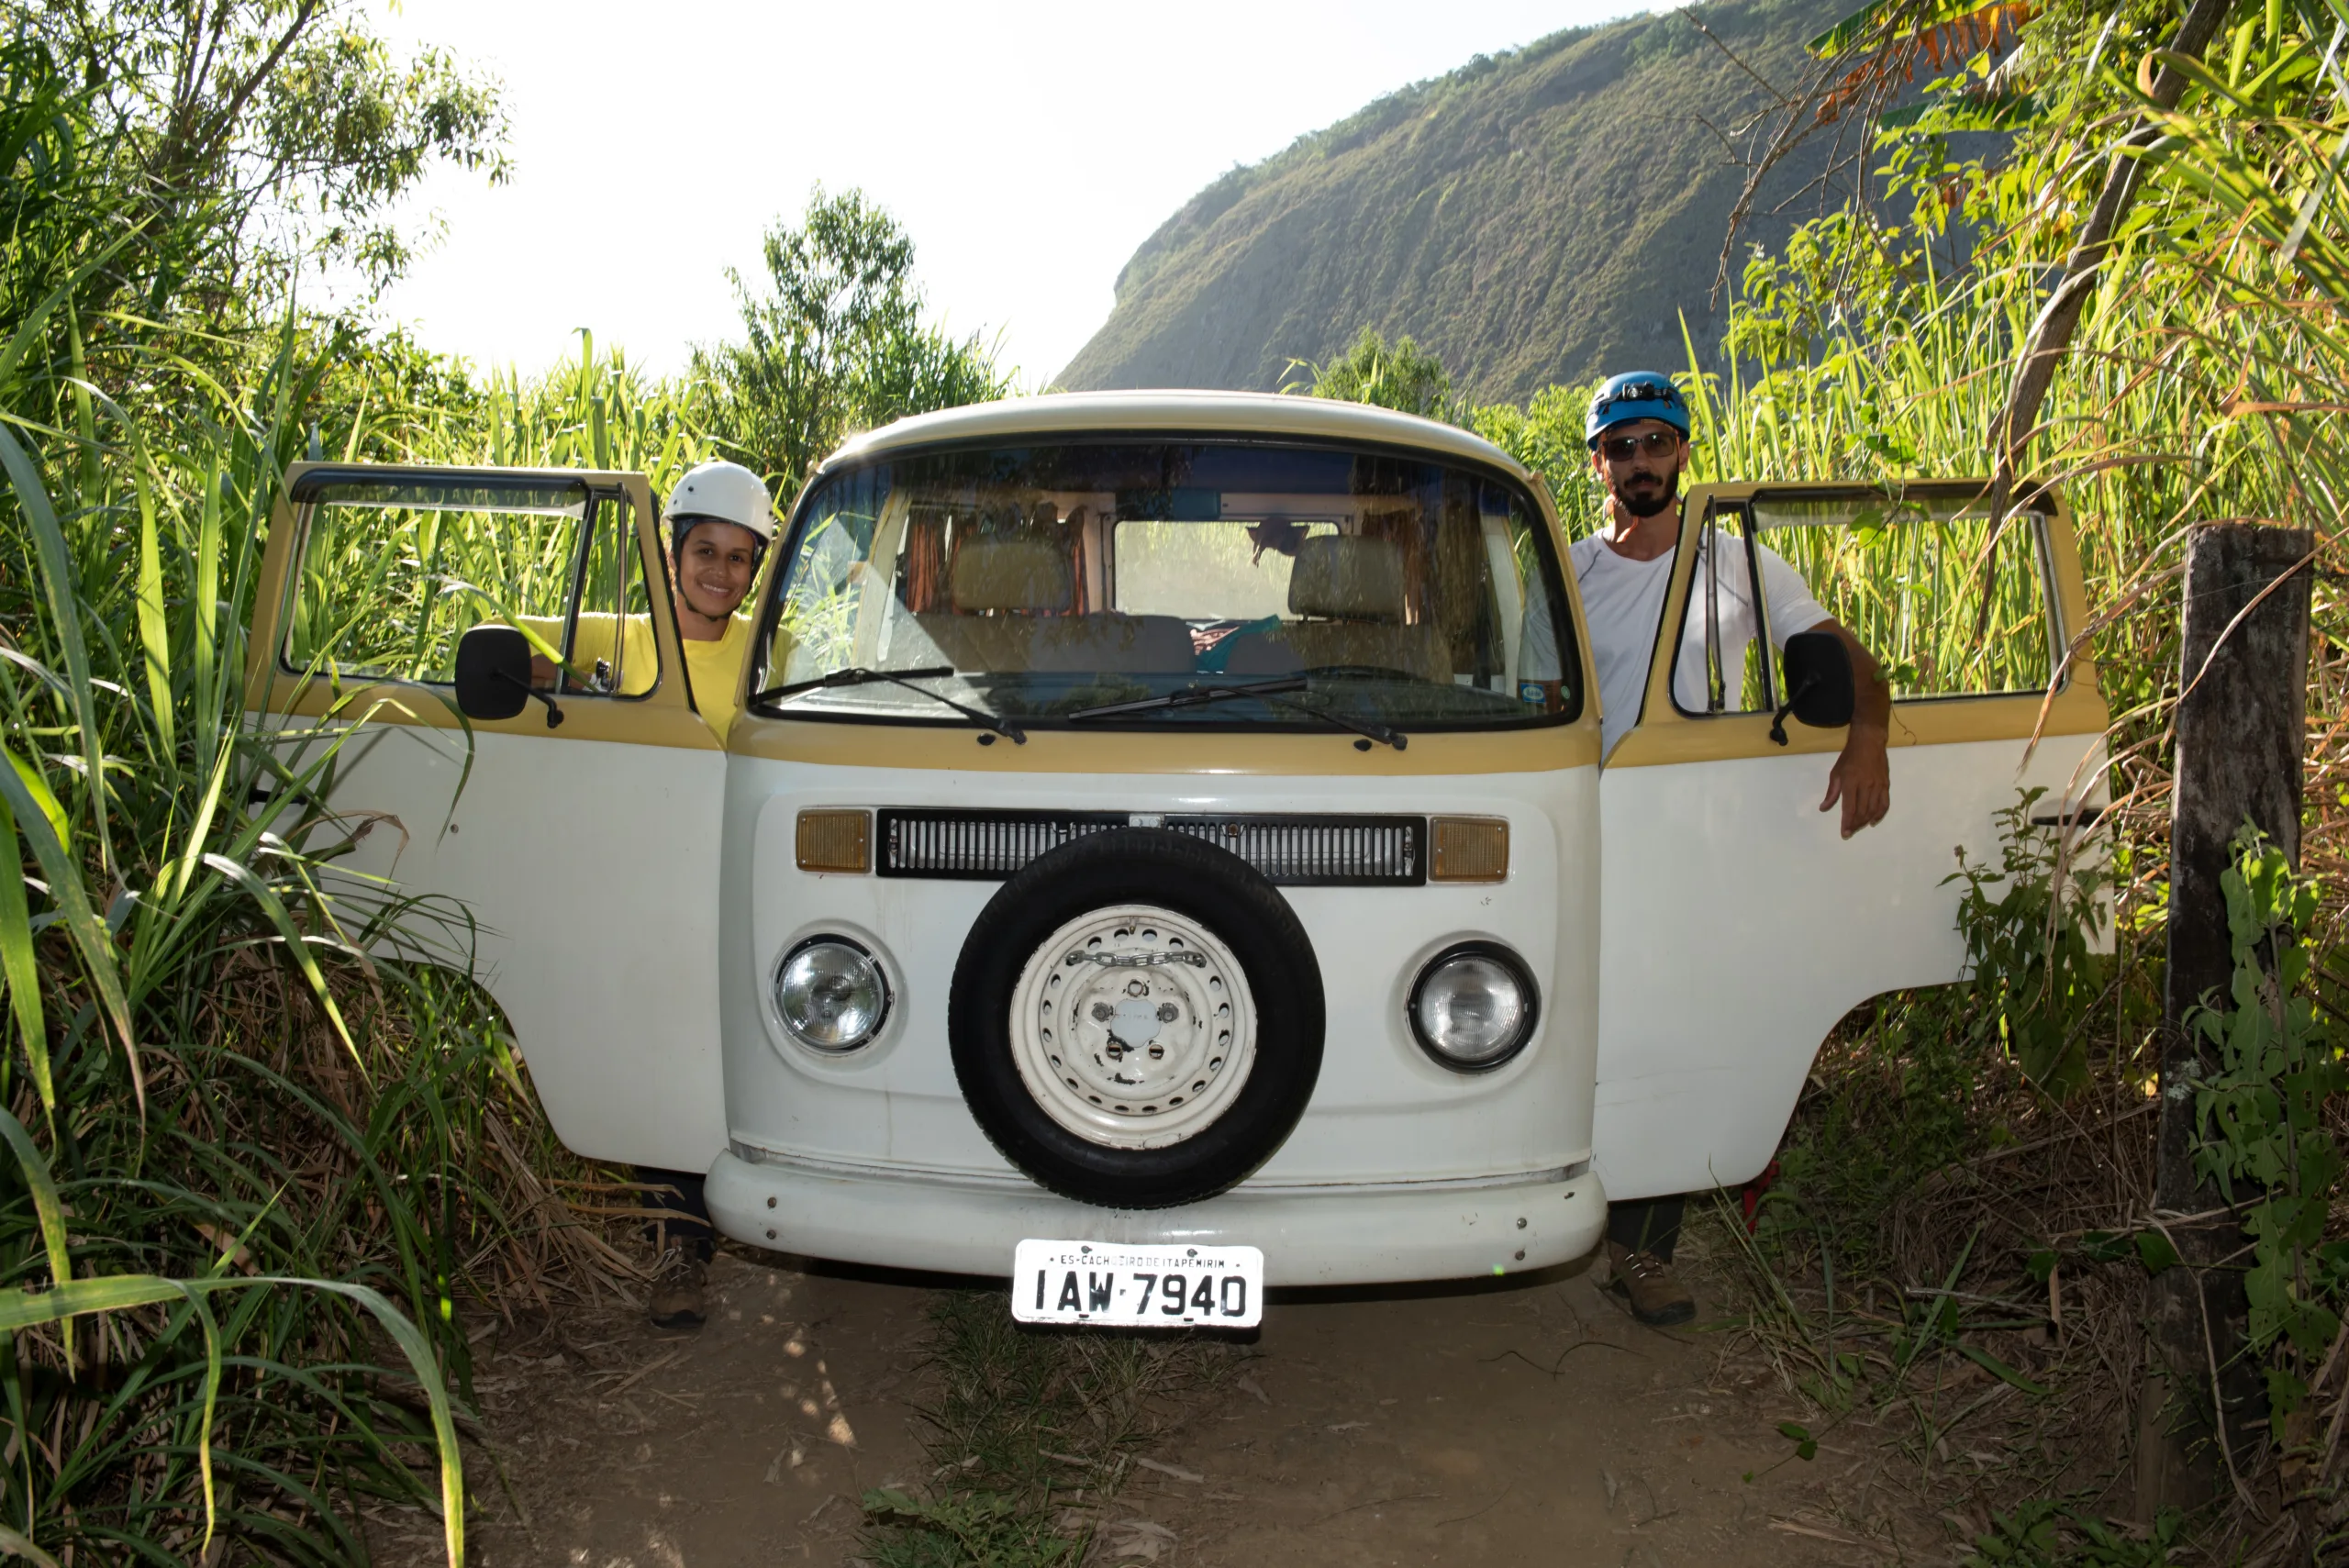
[1028, 146]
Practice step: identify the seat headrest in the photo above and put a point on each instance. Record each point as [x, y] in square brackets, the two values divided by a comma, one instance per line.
[1013, 573]
[1347, 578]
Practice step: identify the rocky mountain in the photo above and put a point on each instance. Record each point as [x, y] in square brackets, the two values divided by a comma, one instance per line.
[1532, 218]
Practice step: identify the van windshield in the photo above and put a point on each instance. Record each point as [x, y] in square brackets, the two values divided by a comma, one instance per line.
[1053, 579]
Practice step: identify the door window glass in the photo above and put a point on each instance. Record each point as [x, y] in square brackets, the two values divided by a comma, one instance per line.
[1724, 663]
[611, 648]
[394, 571]
[1946, 609]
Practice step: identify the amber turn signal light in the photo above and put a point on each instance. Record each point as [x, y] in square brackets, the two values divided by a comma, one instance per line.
[836, 840]
[1465, 848]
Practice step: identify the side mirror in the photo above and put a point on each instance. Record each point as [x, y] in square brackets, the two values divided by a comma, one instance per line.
[494, 675]
[1820, 691]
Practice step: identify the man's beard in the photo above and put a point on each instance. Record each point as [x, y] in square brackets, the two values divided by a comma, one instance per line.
[1668, 492]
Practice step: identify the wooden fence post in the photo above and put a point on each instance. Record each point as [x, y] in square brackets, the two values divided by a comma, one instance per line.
[2242, 678]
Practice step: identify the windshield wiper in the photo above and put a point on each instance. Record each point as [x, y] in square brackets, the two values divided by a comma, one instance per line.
[1270, 691]
[857, 675]
[1192, 696]
[1370, 728]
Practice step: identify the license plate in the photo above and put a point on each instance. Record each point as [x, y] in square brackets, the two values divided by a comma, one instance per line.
[1138, 1288]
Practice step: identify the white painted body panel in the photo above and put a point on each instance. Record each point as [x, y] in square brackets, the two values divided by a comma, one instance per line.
[591, 870]
[1381, 1111]
[1737, 927]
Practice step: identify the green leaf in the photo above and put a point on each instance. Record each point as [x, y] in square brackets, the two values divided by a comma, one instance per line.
[37, 789]
[18, 965]
[46, 1205]
[111, 1293]
[2104, 1246]
[295, 943]
[1969, 111]
[60, 590]
[11, 1541]
[99, 956]
[1992, 1363]
[154, 630]
[2154, 1251]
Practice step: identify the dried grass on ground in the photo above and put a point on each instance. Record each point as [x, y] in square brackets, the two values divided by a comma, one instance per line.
[1953, 1274]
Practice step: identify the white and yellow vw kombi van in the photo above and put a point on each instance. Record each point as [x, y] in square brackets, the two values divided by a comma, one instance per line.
[1163, 820]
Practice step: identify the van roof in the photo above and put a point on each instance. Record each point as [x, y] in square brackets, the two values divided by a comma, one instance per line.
[1174, 412]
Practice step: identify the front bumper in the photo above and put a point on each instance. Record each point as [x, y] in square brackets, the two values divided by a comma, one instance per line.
[1329, 1235]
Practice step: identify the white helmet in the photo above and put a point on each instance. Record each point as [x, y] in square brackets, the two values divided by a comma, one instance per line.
[724, 491]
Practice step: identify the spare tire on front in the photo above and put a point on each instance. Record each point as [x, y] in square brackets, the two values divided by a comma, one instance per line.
[1136, 1019]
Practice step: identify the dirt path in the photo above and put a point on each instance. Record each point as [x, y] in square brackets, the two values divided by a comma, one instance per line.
[1505, 1421]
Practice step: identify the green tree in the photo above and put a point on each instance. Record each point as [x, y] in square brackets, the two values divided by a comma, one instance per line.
[168, 163]
[836, 343]
[1399, 376]
[289, 126]
[1546, 436]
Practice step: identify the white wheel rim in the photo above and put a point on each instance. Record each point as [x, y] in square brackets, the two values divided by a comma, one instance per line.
[1134, 1027]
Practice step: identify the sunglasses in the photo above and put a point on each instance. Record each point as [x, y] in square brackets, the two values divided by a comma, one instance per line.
[1655, 443]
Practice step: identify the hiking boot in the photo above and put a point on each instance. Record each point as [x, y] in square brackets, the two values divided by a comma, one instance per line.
[1646, 1280]
[676, 1299]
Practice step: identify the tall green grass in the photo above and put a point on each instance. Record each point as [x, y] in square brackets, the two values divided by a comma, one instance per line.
[386, 399]
[249, 1162]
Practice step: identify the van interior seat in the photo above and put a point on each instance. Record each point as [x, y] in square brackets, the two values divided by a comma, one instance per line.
[1347, 591]
[1347, 578]
[999, 584]
[1021, 572]
[1012, 594]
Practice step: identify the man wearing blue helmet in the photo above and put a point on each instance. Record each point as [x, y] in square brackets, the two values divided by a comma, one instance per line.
[1638, 433]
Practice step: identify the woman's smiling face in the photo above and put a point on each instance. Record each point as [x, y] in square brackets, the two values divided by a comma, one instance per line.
[714, 566]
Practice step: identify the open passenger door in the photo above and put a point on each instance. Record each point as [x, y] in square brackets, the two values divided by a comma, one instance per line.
[1736, 925]
[571, 863]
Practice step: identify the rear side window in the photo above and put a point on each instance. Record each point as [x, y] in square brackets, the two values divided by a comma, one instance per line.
[394, 571]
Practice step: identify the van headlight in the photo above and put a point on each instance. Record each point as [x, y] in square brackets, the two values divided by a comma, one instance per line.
[1473, 1006]
[832, 993]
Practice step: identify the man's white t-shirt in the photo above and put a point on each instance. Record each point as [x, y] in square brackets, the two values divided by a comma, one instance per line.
[1623, 600]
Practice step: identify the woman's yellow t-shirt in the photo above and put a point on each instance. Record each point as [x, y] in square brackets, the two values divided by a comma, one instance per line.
[715, 669]
[712, 669]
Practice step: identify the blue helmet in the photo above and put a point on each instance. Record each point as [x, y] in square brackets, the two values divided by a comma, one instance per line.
[1635, 395]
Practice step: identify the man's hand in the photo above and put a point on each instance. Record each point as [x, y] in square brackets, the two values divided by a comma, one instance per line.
[543, 673]
[1861, 779]
[1862, 776]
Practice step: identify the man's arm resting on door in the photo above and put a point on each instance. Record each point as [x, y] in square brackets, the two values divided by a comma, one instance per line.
[1862, 776]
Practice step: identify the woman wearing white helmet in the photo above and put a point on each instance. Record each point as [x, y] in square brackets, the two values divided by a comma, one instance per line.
[720, 523]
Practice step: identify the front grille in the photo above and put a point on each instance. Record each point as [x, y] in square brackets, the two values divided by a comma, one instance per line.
[1294, 851]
